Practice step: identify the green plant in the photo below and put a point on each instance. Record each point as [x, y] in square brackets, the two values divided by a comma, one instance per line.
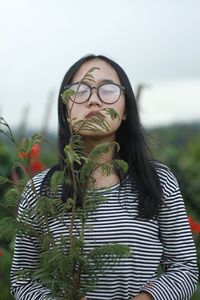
[64, 267]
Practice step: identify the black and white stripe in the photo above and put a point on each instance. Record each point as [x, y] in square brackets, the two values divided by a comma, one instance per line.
[166, 239]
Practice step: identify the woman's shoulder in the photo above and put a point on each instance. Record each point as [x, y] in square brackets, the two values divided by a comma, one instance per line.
[32, 188]
[166, 177]
[37, 179]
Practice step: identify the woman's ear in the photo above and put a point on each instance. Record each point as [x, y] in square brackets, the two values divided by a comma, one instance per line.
[124, 117]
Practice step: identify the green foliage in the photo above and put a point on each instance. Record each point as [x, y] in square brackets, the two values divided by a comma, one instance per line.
[111, 112]
[7, 226]
[12, 196]
[57, 180]
[91, 162]
[66, 95]
[27, 144]
[5, 263]
[72, 272]
[63, 265]
[4, 180]
[95, 123]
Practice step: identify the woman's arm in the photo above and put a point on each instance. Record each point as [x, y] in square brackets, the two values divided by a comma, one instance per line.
[179, 279]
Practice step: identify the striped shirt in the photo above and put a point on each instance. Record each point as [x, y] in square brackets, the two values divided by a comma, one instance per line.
[165, 240]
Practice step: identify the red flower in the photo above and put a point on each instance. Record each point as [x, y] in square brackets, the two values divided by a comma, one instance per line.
[195, 227]
[35, 150]
[1, 252]
[35, 165]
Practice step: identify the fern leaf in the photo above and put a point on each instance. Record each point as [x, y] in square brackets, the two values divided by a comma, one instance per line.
[7, 228]
[45, 207]
[92, 201]
[120, 164]
[4, 180]
[12, 197]
[25, 146]
[108, 255]
[98, 150]
[96, 122]
[66, 95]
[106, 169]
[111, 112]
[36, 138]
[57, 180]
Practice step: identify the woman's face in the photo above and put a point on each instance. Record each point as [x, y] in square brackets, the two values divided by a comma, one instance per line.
[81, 111]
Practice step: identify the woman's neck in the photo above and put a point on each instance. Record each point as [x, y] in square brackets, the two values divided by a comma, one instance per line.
[92, 142]
[101, 180]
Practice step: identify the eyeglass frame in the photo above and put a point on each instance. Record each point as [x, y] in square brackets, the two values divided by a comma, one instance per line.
[122, 88]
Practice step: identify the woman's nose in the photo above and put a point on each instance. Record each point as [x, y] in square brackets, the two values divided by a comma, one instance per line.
[94, 98]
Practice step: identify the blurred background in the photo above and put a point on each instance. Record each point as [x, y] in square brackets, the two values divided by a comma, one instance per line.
[157, 43]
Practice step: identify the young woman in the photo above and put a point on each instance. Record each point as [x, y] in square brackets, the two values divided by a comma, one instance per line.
[143, 210]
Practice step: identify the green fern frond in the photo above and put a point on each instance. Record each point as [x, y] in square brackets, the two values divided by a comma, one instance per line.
[4, 180]
[12, 197]
[45, 207]
[120, 164]
[24, 229]
[71, 155]
[36, 138]
[88, 76]
[7, 228]
[96, 123]
[106, 169]
[57, 180]
[20, 184]
[98, 150]
[91, 162]
[66, 95]
[63, 266]
[26, 145]
[47, 241]
[91, 201]
[111, 112]
[87, 170]
[77, 143]
[108, 255]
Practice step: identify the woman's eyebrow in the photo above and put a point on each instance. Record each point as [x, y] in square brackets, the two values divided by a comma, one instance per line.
[106, 80]
[101, 81]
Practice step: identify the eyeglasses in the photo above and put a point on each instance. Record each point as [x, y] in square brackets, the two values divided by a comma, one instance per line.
[108, 93]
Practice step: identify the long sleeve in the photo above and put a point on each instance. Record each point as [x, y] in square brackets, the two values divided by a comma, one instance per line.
[26, 255]
[180, 274]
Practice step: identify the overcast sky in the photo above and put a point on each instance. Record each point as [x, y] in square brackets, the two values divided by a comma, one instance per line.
[157, 42]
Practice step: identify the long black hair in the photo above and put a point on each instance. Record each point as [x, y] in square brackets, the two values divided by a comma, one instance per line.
[130, 136]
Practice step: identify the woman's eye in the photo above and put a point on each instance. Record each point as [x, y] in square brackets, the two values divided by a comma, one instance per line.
[82, 89]
[107, 91]
[82, 92]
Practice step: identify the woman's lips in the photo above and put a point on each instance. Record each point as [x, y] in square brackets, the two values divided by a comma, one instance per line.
[91, 113]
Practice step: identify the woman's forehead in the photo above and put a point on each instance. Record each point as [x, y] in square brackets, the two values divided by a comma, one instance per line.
[104, 71]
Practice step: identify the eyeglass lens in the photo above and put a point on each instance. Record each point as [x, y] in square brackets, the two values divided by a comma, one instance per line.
[108, 92]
